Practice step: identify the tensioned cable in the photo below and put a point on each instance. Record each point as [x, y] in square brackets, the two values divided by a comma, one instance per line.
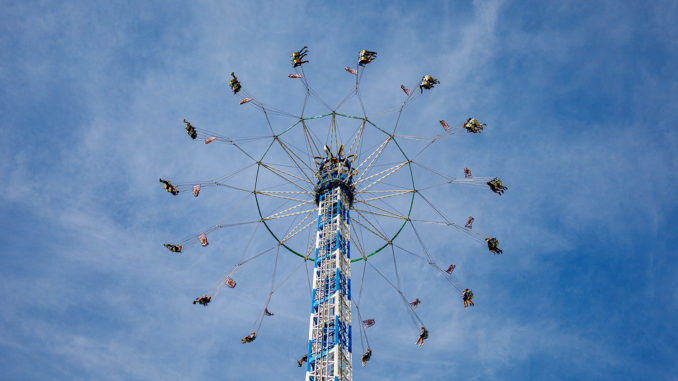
[357, 307]
[476, 236]
[430, 259]
[313, 92]
[260, 317]
[413, 315]
[220, 285]
[449, 277]
[214, 181]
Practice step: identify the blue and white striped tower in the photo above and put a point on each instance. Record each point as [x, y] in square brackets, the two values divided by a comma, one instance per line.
[329, 334]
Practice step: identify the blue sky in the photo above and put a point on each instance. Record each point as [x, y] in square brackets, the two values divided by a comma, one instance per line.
[579, 98]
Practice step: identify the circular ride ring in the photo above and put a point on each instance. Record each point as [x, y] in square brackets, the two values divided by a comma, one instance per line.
[365, 253]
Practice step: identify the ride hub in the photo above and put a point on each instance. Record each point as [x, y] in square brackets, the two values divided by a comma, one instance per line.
[335, 171]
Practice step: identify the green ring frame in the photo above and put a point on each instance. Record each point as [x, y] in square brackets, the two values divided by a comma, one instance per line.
[409, 164]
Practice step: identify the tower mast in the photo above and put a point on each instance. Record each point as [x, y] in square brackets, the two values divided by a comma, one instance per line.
[329, 334]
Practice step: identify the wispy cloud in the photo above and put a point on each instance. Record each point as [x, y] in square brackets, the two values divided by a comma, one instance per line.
[578, 102]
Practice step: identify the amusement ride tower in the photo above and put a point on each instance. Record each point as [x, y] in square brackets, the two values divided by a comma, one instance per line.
[329, 334]
[300, 184]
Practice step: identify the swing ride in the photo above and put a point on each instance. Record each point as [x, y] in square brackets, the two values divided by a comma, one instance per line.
[335, 189]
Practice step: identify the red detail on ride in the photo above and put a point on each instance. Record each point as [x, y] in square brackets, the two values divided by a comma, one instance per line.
[445, 126]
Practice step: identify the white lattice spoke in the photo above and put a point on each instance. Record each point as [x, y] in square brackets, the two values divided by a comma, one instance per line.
[386, 173]
[272, 194]
[390, 194]
[373, 157]
[288, 209]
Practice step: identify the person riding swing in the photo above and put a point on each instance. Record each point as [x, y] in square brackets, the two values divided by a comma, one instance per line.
[422, 336]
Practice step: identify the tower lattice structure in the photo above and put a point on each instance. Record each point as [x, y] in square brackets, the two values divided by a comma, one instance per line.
[329, 337]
